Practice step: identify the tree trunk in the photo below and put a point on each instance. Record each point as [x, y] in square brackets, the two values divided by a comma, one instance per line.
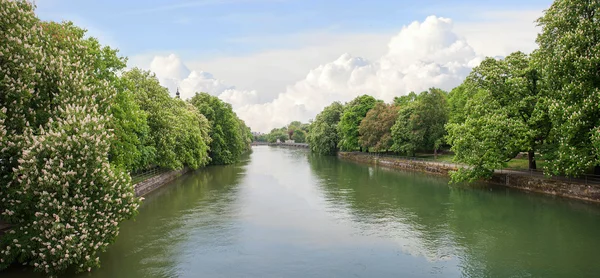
[435, 153]
[531, 158]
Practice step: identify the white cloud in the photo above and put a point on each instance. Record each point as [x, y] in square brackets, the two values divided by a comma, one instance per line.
[432, 53]
[500, 33]
[173, 74]
[422, 55]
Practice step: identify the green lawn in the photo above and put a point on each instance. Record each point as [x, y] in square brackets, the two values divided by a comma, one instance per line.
[523, 164]
[440, 157]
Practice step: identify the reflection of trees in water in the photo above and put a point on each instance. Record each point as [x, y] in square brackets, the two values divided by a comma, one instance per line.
[490, 233]
[390, 203]
[195, 210]
[523, 235]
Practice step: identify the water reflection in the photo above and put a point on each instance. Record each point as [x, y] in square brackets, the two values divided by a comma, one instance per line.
[487, 231]
[198, 208]
[285, 213]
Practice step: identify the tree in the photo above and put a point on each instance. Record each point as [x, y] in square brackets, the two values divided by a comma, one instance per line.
[192, 135]
[246, 135]
[261, 138]
[375, 128]
[354, 112]
[569, 59]
[178, 132]
[299, 136]
[457, 101]
[405, 100]
[507, 115]
[420, 123]
[131, 147]
[278, 133]
[228, 142]
[297, 131]
[322, 136]
[59, 189]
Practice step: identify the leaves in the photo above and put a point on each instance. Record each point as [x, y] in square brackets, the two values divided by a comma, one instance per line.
[375, 128]
[229, 137]
[420, 122]
[323, 137]
[59, 190]
[503, 113]
[353, 114]
[569, 59]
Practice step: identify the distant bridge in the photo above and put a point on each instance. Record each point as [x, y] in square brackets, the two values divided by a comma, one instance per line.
[296, 145]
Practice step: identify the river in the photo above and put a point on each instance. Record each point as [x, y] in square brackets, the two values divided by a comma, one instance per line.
[285, 213]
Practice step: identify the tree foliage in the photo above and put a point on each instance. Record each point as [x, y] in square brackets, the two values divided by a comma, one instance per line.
[229, 138]
[375, 128]
[506, 116]
[280, 134]
[299, 136]
[569, 61]
[178, 133]
[420, 123]
[58, 187]
[322, 136]
[131, 147]
[353, 114]
[298, 131]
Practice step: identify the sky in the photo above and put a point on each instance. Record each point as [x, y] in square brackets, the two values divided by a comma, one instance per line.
[277, 61]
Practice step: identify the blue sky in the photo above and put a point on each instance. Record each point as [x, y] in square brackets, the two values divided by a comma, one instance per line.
[277, 61]
[227, 26]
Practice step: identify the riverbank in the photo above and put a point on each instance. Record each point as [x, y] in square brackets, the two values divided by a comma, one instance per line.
[144, 187]
[570, 188]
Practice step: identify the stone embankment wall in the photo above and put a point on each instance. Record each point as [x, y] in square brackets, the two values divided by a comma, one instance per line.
[576, 189]
[537, 183]
[401, 163]
[144, 187]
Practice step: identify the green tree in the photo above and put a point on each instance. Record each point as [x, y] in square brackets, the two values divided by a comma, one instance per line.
[246, 135]
[262, 138]
[191, 135]
[297, 131]
[228, 142]
[375, 128]
[420, 123]
[131, 147]
[59, 190]
[278, 133]
[178, 133]
[569, 60]
[354, 112]
[506, 115]
[323, 136]
[299, 136]
[405, 100]
[457, 101]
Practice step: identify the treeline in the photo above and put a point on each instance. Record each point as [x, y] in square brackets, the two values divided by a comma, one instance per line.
[296, 131]
[546, 104]
[411, 123]
[153, 129]
[73, 125]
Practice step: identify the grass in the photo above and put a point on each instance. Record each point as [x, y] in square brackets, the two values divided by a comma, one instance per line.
[441, 157]
[523, 164]
[516, 163]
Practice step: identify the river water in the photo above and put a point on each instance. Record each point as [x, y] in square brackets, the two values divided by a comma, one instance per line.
[286, 213]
